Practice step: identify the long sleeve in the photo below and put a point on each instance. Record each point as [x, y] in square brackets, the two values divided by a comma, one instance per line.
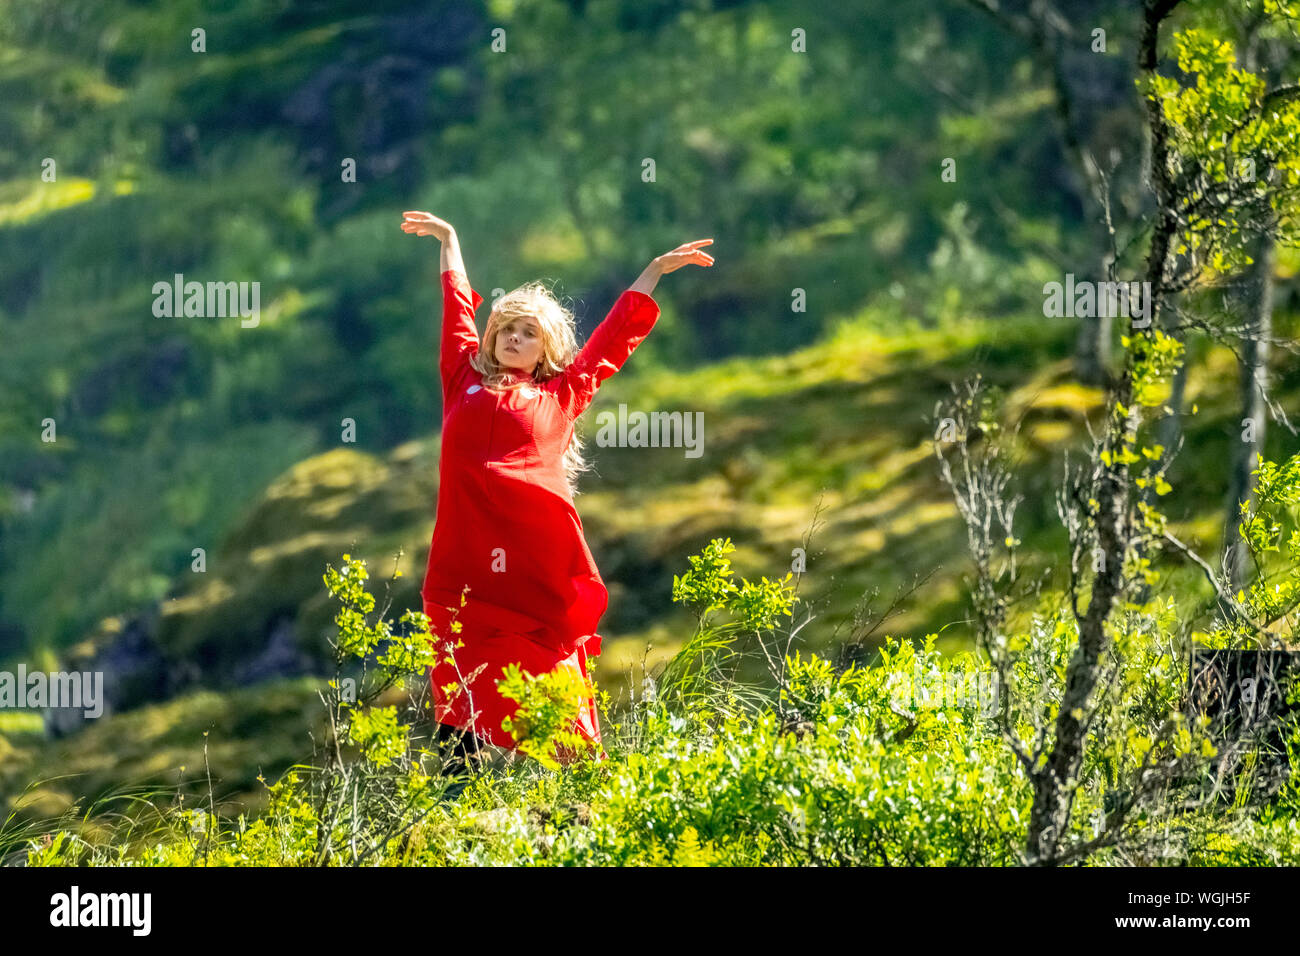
[459, 339]
[628, 323]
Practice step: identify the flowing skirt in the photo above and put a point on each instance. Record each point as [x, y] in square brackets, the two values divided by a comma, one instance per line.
[474, 702]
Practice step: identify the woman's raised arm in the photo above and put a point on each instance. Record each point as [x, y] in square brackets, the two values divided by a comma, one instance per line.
[624, 328]
[427, 224]
[459, 338]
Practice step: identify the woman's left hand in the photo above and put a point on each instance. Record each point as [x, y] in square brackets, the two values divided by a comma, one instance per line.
[684, 255]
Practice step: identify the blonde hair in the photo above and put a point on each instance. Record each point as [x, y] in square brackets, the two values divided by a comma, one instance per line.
[534, 300]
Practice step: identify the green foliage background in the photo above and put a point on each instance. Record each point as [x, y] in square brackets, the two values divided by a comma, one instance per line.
[818, 172]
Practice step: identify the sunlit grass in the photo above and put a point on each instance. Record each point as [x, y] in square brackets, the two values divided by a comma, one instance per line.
[24, 200]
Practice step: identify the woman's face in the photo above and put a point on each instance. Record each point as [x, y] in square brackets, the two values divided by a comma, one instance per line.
[519, 344]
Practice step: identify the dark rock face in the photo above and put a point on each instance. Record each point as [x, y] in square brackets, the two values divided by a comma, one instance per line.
[282, 657]
[133, 667]
[137, 672]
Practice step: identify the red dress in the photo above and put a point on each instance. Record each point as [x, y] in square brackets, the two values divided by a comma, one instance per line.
[506, 525]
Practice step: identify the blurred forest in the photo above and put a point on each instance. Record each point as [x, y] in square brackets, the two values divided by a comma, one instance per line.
[820, 173]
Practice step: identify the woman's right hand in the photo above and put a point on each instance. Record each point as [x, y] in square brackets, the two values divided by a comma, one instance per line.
[426, 224]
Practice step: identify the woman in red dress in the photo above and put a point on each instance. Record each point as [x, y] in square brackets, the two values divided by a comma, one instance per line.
[506, 527]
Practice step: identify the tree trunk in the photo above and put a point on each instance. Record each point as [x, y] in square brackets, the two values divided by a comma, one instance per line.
[1171, 427]
[1092, 352]
[1253, 381]
[1055, 784]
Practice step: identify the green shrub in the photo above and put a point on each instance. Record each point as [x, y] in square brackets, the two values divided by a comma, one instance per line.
[866, 765]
